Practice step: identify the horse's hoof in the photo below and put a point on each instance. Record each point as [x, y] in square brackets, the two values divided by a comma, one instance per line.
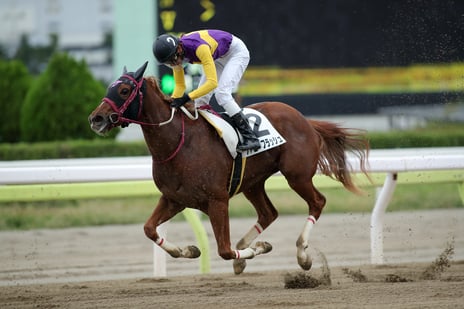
[239, 266]
[305, 263]
[191, 252]
[264, 246]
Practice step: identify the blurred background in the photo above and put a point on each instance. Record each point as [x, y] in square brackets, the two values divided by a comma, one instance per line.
[376, 65]
[394, 68]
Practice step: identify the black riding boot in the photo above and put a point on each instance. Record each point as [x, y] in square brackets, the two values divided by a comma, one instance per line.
[250, 140]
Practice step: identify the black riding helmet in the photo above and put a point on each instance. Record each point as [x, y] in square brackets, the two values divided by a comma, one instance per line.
[165, 47]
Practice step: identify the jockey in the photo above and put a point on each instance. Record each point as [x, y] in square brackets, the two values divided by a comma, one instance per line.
[224, 58]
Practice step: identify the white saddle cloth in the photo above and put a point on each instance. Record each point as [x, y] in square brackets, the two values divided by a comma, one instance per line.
[266, 133]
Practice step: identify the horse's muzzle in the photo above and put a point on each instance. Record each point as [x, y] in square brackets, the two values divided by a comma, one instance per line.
[99, 124]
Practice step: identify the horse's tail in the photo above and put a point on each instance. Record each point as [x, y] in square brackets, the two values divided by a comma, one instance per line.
[335, 141]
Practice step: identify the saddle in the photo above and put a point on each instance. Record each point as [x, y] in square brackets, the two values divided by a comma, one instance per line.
[268, 136]
[266, 133]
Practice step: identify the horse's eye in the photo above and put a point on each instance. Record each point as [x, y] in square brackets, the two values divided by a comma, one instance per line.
[124, 91]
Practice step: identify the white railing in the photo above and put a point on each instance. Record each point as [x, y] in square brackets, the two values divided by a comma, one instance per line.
[393, 162]
[17, 174]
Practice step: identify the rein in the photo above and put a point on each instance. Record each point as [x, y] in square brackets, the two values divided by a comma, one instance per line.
[117, 117]
[179, 146]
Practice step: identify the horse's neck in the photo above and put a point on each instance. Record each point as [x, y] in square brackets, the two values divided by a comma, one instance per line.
[161, 140]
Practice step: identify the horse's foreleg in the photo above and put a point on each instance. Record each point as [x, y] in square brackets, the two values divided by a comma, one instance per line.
[260, 247]
[162, 213]
[219, 217]
[191, 252]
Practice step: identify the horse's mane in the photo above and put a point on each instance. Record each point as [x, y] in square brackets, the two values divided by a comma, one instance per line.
[153, 83]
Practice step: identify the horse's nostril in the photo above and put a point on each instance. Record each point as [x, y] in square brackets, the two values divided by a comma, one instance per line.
[97, 119]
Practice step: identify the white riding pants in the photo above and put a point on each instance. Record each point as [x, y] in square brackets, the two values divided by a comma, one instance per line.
[229, 69]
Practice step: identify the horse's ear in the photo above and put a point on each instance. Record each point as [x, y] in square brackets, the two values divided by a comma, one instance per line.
[139, 73]
[124, 70]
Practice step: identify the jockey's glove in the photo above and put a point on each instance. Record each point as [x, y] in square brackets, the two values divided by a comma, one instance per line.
[178, 102]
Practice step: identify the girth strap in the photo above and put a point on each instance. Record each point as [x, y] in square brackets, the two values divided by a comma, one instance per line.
[238, 168]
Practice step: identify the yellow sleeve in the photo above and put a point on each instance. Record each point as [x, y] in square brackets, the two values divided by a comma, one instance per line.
[209, 68]
[179, 79]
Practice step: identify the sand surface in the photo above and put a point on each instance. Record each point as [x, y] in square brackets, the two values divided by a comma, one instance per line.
[112, 266]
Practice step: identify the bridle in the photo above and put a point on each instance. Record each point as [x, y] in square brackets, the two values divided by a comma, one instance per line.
[120, 107]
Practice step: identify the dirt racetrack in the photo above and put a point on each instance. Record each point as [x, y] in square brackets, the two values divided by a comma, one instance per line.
[111, 267]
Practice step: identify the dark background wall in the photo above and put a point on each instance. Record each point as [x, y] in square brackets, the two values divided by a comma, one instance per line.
[336, 33]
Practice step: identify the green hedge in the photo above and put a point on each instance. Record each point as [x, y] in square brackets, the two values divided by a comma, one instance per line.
[14, 83]
[110, 148]
[408, 139]
[71, 149]
[59, 101]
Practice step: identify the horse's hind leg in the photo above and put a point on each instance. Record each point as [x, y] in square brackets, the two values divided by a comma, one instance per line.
[316, 202]
[266, 215]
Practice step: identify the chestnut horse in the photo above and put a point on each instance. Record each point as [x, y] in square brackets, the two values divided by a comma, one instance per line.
[192, 167]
